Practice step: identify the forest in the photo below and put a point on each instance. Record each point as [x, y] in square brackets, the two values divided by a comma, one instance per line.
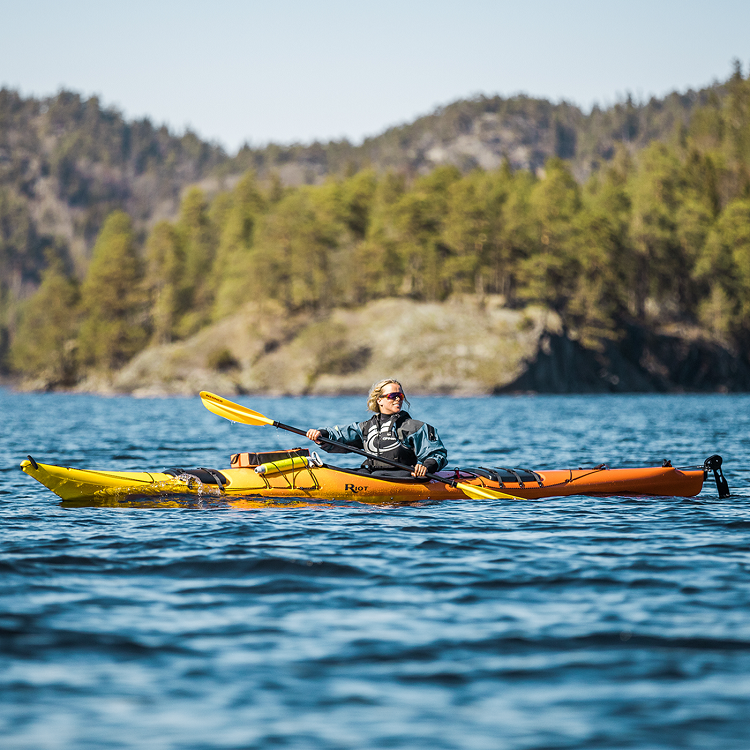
[657, 233]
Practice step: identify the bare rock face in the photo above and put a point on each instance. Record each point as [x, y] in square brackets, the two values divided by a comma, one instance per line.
[466, 346]
[470, 345]
[643, 360]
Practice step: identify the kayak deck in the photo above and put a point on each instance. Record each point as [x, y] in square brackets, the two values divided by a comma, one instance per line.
[334, 483]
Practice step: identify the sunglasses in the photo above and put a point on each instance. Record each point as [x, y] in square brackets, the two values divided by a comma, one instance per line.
[393, 396]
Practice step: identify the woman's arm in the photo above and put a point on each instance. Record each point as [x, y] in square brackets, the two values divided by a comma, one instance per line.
[350, 434]
[428, 448]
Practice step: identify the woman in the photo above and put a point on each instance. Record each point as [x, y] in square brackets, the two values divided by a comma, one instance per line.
[391, 433]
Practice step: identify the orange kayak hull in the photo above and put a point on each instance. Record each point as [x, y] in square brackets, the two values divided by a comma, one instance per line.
[332, 483]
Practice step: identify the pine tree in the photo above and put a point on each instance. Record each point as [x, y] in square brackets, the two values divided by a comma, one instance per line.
[44, 345]
[164, 280]
[197, 239]
[233, 276]
[113, 328]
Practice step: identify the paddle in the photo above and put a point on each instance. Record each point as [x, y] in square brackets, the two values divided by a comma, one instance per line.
[238, 413]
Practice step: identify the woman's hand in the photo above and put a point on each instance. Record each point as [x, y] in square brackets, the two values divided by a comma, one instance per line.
[313, 435]
[419, 470]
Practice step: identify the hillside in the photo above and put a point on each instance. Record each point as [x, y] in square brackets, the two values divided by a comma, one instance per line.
[469, 345]
[486, 131]
[119, 237]
[66, 162]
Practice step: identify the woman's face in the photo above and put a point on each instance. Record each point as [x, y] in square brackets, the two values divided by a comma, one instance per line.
[387, 405]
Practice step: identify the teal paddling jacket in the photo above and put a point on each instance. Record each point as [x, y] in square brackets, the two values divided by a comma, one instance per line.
[417, 442]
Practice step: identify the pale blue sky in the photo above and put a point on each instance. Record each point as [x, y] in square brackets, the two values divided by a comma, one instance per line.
[289, 71]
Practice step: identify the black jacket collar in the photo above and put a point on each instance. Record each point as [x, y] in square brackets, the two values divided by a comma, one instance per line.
[400, 418]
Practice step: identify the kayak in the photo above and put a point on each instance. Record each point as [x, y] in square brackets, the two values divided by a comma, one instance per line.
[296, 474]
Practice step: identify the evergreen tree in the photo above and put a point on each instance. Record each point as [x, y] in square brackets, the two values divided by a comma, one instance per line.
[548, 275]
[44, 345]
[233, 275]
[357, 195]
[165, 260]
[465, 232]
[113, 327]
[297, 248]
[724, 266]
[379, 266]
[418, 221]
[516, 236]
[604, 292]
[197, 239]
[494, 272]
[655, 198]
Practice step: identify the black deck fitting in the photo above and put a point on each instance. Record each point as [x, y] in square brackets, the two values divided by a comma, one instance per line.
[713, 463]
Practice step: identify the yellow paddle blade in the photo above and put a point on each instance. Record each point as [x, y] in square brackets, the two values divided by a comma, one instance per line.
[230, 410]
[482, 493]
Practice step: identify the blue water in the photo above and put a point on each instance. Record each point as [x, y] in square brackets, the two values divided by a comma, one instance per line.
[565, 623]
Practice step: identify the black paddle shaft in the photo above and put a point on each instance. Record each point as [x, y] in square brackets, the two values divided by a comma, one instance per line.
[352, 449]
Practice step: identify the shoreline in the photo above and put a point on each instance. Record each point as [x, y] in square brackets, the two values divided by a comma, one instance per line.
[469, 345]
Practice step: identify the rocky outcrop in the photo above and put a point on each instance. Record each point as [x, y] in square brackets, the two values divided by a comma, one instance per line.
[641, 361]
[469, 345]
[466, 346]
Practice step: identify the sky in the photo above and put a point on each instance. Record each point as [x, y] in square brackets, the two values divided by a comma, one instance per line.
[292, 71]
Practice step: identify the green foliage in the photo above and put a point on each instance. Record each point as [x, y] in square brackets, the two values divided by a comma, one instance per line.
[165, 280]
[657, 233]
[21, 249]
[222, 360]
[377, 265]
[197, 239]
[22, 254]
[466, 232]
[233, 279]
[357, 196]
[548, 273]
[297, 249]
[725, 267]
[113, 327]
[44, 345]
[641, 238]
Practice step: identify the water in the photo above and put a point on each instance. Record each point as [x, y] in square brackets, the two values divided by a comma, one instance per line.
[564, 623]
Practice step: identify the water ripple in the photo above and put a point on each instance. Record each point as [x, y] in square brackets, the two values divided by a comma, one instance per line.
[619, 622]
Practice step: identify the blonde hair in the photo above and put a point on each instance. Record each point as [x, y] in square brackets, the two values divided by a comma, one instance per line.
[376, 392]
